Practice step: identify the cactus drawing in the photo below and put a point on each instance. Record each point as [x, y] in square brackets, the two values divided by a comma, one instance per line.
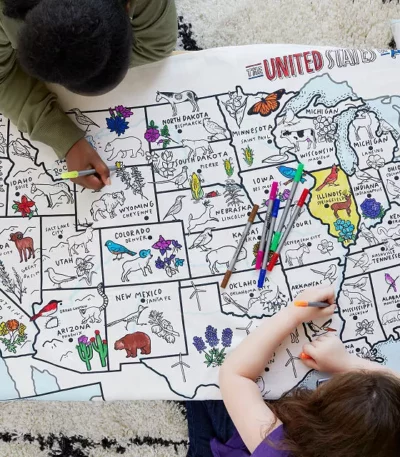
[85, 351]
[100, 346]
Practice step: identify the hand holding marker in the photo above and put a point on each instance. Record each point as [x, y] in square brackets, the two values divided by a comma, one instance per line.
[260, 255]
[278, 233]
[274, 215]
[77, 174]
[246, 230]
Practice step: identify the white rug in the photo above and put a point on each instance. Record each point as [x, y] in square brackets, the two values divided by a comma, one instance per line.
[158, 429]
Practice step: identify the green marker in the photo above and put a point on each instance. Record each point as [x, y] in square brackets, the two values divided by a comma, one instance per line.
[278, 234]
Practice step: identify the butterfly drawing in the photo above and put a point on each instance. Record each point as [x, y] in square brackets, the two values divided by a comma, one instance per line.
[267, 105]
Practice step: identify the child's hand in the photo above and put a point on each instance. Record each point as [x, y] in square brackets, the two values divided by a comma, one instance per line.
[328, 354]
[321, 294]
[83, 157]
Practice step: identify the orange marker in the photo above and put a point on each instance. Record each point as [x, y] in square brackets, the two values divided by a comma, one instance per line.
[314, 304]
[305, 356]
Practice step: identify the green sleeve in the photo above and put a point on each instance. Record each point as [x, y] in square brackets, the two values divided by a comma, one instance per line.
[31, 106]
[155, 30]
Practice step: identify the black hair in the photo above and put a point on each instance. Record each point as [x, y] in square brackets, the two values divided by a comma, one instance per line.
[84, 45]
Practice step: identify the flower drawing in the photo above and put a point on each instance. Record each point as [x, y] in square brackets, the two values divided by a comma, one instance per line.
[325, 128]
[25, 207]
[365, 327]
[375, 161]
[236, 106]
[167, 260]
[153, 135]
[162, 245]
[84, 340]
[214, 355]
[117, 121]
[283, 196]
[371, 209]
[345, 229]
[179, 262]
[84, 268]
[12, 335]
[325, 247]
[117, 124]
[371, 355]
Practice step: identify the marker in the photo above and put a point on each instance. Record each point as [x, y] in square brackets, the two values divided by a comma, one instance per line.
[305, 356]
[272, 195]
[274, 215]
[290, 225]
[312, 304]
[289, 201]
[246, 230]
[92, 171]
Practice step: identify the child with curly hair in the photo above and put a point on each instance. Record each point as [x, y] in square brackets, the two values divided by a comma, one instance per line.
[354, 414]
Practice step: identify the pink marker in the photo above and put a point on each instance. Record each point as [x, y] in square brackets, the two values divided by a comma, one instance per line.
[272, 196]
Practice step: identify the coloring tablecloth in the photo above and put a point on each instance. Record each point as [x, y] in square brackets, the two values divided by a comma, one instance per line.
[115, 294]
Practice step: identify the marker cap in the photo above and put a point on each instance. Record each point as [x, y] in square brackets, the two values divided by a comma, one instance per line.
[275, 241]
[275, 208]
[299, 173]
[261, 279]
[259, 259]
[303, 197]
[272, 262]
[273, 191]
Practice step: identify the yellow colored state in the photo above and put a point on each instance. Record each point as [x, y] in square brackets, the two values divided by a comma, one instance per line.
[333, 204]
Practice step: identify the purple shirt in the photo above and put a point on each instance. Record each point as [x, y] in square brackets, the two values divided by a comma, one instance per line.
[236, 448]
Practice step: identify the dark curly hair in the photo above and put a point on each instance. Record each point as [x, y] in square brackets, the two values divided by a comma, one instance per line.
[355, 414]
[84, 45]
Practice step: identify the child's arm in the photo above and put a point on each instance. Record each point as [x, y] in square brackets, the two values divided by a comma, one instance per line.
[240, 393]
[330, 356]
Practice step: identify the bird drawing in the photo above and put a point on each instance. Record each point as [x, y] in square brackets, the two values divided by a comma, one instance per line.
[362, 262]
[331, 179]
[19, 149]
[118, 250]
[57, 278]
[360, 284]
[320, 330]
[176, 208]
[202, 240]
[215, 129]
[133, 317]
[391, 282]
[392, 189]
[363, 176]
[329, 275]
[179, 180]
[289, 173]
[82, 119]
[48, 310]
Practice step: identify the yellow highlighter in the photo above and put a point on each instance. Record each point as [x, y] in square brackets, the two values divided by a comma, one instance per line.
[77, 174]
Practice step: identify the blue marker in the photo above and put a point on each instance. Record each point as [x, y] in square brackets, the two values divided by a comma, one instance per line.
[274, 215]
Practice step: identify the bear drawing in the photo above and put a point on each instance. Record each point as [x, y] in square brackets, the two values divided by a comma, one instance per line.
[132, 342]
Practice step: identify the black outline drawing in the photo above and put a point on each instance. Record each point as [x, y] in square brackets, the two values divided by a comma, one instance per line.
[176, 208]
[175, 98]
[360, 284]
[179, 180]
[291, 360]
[124, 148]
[194, 145]
[362, 262]
[356, 296]
[364, 121]
[85, 297]
[24, 171]
[201, 241]
[142, 264]
[271, 304]
[51, 341]
[80, 239]
[107, 204]
[37, 190]
[392, 189]
[230, 301]
[319, 330]
[65, 355]
[58, 278]
[215, 257]
[13, 286]
[246, 329]
[204, 218]
[195, 293]
[299, 253]
[232, 193]
[364, 177]
[92, 314]
[367, 233]
[20, 150]
[181, 364]
[329, 275]
[82, 119]
[391, 316]
[133, 179]
[294, 336]
[133, 317]
[161, 327]
[217, 132]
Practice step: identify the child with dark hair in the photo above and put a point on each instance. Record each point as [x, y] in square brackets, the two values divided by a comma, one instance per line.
[354, 414]
[86, 46]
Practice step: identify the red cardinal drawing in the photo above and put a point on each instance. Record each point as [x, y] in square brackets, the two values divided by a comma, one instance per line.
[330, 179]
[47, 310]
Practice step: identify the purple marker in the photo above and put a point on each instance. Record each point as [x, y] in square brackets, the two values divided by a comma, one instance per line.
[260, 254]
